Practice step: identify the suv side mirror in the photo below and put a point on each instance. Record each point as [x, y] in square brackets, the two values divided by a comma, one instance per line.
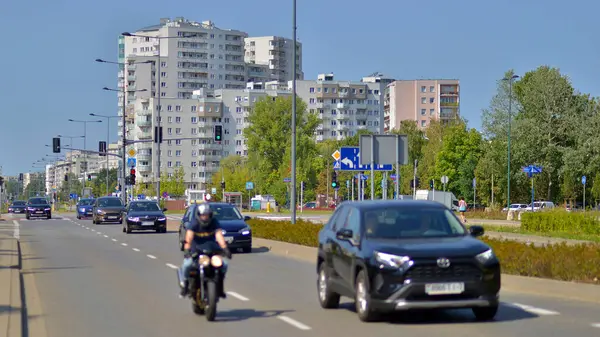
[476, 231]
[164, 209]
[246, 218]
[344, 234]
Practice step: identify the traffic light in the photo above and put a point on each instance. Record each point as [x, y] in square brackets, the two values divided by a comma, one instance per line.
[20, 176]
[412, 183]
[334, 182]
[158, 134]
[66, 177]
[1, 181]
[56, 145]
[218, 133]
[89, 177]
[431, 184]
[303, 185]
[102, 148]
[132, 176]
[223, 185]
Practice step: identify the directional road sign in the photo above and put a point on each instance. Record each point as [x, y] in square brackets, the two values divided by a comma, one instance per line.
[350, 161]
[287, 180]
[249, 185]
[131, 162]
[584, 180]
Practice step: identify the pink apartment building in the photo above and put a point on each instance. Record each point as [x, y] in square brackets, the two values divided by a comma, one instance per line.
[421, 101]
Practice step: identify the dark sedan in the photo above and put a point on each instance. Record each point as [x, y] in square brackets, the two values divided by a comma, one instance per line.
[18, 206]
[405, 254]
[145, 215]
[84, 208]
[107, 209]
[38, 208]
[237, 233]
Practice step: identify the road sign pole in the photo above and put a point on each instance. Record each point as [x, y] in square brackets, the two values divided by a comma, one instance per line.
[352, 182]
[301, 195]
[584, 196]
[532, 193]
[372, 183]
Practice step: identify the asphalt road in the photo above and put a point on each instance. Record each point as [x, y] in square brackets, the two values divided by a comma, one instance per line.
[94, 280]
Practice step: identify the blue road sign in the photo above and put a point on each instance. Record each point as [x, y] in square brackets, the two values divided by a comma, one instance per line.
[141, 196]
[73, 196]
[392, 176]
[474, 182]
[361, 176]
[532, 169]
[350, 161]
[336, 165]
[584, 180]
[249, 185]
[287, 180]
[131, 162]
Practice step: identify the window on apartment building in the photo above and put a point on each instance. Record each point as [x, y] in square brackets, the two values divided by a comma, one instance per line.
[194, 131]
[163, 84]
[431, 100]
[423, 123]
[423, 112]
[178, 142]
[178, 131]
[178, 108]
[194, 120]
[163, 74]
[169, 164]
[178, 153]
[169, 119]
[193, 108]
[169, 108]
[194, 153]
[431, 112]
[177, 119]
[423, 88]
[170, 131]
[423, 100]
[432, 89]
[194, 164]
[170, 153]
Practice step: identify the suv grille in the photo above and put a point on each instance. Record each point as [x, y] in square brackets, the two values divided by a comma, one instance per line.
[434, 273]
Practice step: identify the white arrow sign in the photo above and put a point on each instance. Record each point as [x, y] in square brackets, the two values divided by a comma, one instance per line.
[348, 162]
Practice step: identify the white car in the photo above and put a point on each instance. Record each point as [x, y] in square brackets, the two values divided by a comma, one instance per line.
[515, 207]
[540, 206]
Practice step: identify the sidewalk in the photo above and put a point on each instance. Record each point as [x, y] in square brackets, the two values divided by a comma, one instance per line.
[10, 285]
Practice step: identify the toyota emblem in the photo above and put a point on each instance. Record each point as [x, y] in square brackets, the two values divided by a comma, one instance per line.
[443, 262]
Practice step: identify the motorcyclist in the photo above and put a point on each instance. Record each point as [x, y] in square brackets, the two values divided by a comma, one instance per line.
[203, 229]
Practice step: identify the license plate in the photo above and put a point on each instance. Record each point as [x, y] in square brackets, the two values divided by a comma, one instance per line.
[113, 217]
[40, 212]
[229, 239]
[445, 288]
[147, 223]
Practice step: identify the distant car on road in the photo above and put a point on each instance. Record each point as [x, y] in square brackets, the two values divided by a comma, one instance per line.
[84, 208]
[38, 207]
[145, 215]
[107, 209]
[515, 207]
[18, 206]
[237, 233]
[404, 254]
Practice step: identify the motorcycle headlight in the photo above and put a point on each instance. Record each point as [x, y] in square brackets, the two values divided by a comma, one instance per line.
[245, 231]
[392, 261]
[134, 219]
[486, 256]
[203, 260]
[216, 261]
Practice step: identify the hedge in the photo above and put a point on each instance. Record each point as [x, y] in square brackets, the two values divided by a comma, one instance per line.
[563, 262]
[561, 221]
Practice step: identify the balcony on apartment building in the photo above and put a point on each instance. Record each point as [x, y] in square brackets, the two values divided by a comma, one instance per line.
[144, 156]
[144, 166]
[143, 135]
[449, 90]
[209, 157]
[208, 146]
[143, 122]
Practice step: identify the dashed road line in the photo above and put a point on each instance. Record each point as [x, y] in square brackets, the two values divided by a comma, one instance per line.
[16, 230]
[172, 266]
[151, 256]
[135, 249]
[123, 244]
[595, 325]
[533, 310]
[294, 323]
[105, 235]
[238, 296]
[114, 240]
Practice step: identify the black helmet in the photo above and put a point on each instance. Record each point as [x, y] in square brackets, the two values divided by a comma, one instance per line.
[204, 209]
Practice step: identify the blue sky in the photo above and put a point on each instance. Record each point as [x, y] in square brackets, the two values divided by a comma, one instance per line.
[49, 49]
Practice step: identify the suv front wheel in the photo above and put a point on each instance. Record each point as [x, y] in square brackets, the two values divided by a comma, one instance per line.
[362, 298]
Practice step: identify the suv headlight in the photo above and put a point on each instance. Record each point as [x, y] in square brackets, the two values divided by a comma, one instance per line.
[392, 261]
[133, 219]
[486, 256]
[245, 231]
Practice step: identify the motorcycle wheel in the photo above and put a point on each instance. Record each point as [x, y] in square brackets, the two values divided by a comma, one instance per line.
[211, 305]
[197, 308]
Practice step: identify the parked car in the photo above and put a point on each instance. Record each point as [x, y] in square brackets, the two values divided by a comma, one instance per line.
[38, 207]
[237, 233]
[515, 207]
[145, 215]
[107, 209]
[84, 208]
[405, 254]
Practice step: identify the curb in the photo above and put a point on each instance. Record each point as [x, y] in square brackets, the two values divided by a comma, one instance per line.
[513, 283]
[11, 322]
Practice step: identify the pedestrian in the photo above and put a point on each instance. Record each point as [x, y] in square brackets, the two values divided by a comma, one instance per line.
[462, 208]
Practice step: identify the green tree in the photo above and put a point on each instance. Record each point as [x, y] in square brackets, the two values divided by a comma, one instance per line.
[176, 183]
[236, 173]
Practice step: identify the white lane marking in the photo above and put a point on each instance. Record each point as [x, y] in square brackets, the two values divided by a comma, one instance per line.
[533, 310]
[596, 325]
[135, 249]
[151, 256]
[238, 296]
[99, 233]
[105, 235]
[123, 244]
[16, 230]
[294, 323]
[115, 240]
[93, 230]
[172, 266]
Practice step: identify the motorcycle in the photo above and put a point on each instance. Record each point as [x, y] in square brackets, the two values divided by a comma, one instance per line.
[205, 276]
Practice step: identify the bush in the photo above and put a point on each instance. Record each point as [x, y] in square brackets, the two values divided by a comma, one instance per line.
[561, 221]
[559, 261]
[490, 215]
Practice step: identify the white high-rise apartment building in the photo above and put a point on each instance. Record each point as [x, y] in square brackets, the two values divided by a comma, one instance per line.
[276, 54]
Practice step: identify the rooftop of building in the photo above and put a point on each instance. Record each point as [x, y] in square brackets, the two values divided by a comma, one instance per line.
[183, 22]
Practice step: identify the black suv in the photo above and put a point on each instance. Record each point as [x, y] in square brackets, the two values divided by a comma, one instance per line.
[400, 255]
[38, 207]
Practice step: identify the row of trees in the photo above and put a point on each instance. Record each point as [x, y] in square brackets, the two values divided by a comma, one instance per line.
[552, 126]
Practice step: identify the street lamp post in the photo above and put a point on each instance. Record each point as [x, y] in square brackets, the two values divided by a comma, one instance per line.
[85, 122]
[293, 150]
[510, 85]
[124, 121]
[108, 118]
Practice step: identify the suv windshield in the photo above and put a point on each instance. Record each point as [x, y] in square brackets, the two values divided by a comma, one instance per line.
[19, 203]
[109, 202]
[38, 201]
[405, 222]
[226, 212]
[144, 207]
[86, 202]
